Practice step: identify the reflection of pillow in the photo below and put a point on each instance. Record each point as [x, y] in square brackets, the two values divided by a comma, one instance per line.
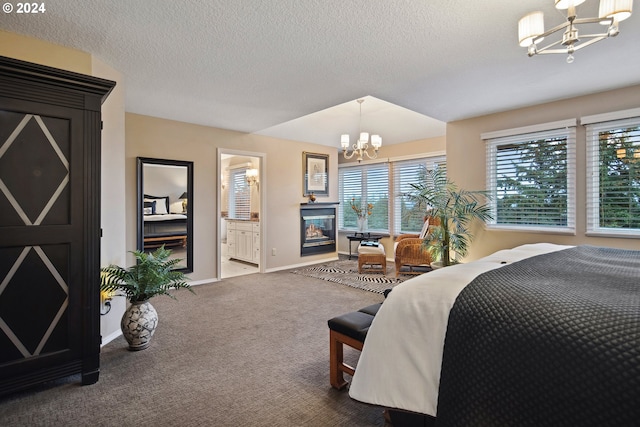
[161, 204]
[149, 208]
[176, 207]
[425, 228]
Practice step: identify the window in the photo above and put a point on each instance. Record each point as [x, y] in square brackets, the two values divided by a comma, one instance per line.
[361, 185]
[531, 178]
[382, 185]
[408, 218]
[613, 177]
[239, 194]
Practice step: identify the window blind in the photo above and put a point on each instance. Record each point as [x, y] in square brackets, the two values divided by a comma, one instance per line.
[531, 178]
[613, 177]
[361, 185]
[240, 195]
[408, 217]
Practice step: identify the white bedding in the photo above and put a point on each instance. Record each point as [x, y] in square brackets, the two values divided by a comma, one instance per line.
[165, 217]
[400, 363]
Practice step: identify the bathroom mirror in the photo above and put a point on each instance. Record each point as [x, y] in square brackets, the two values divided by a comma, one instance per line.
[165, 208]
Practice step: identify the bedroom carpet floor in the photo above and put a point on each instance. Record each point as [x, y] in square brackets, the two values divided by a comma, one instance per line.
[245, 351]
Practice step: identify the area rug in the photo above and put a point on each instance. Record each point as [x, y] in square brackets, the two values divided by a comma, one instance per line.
[345, 272]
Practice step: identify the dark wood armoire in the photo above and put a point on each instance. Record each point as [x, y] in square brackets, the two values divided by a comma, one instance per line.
[50, 123]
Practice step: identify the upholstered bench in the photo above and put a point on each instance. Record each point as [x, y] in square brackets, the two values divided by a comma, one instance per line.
[350, 329]
[372, 254]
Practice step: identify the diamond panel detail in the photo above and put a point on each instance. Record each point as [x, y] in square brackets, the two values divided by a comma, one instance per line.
[32, 281]
[33, 188]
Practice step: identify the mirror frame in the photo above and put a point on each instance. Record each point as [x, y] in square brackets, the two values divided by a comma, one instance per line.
[141, 161]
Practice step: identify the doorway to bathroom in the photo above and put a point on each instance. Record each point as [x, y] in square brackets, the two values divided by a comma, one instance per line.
[240, 214]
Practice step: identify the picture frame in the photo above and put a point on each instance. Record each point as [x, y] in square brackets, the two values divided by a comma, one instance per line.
[315, 174]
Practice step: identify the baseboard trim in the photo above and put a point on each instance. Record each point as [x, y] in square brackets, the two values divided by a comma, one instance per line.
[106, 340]
[203, 281]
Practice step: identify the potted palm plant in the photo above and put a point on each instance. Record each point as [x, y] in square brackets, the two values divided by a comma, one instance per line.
[455, 209]
[154, 274]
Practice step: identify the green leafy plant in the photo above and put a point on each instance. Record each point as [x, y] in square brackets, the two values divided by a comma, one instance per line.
[454, 208]
[154, 274]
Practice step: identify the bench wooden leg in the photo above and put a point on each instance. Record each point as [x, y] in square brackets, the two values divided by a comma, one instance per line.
[336, 358]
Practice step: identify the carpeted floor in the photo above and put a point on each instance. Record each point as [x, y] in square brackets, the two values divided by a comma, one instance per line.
[345, 272]
[245, 351]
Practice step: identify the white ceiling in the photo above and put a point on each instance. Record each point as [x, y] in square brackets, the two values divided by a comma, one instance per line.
[294, 68]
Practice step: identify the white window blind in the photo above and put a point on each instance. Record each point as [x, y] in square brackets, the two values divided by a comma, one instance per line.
[239, 194]
[362, 185]
[409, 218]
[531, 178]
[613, 178]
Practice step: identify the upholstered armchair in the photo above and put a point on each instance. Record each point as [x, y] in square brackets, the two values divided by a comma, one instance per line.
[409, 251]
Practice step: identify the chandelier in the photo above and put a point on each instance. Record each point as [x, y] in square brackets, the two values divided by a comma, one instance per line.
[531, 27]
[361, 147]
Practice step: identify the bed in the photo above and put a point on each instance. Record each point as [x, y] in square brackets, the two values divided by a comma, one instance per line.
[541, 334]
[161, 227]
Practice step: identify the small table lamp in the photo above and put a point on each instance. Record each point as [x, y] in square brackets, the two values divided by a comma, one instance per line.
[184, 198]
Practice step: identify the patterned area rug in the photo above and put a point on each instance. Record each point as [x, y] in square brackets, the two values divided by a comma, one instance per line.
[346, 273]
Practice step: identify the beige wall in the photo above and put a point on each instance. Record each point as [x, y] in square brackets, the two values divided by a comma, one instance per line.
[112, 244]
[44, 53]
[466, 162]
[166, 139]
[421, 147]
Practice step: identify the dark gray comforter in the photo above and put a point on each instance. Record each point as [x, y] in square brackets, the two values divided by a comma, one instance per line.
[551, 340]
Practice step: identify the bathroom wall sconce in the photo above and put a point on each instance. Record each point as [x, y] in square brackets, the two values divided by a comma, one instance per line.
[252, 177]
[105, 302]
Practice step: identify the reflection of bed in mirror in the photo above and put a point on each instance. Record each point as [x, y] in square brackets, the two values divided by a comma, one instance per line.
[161, 226]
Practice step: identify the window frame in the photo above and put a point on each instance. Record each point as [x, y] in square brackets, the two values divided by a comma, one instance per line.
[344, 204]
[593, 130]
[430, 162]
[524, 136]
[393, 219]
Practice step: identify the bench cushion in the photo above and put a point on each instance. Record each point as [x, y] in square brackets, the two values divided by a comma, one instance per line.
[371, 309]
[354, 325]
[371, 248]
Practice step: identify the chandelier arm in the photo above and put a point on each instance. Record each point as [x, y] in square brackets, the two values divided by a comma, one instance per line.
[348, 156]
[578, 21]
[547, 49]
[375, 154]
[595, 38]
[553, 30]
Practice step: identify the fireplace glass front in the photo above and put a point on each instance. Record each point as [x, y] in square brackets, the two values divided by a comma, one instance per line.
[317, 230]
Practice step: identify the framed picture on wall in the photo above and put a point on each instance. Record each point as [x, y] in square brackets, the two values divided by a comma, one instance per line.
[315, 170]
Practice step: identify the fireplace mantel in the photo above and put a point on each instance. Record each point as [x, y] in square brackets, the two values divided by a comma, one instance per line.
[322, 204]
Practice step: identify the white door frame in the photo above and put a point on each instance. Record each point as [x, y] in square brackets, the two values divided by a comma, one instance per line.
[263, 203]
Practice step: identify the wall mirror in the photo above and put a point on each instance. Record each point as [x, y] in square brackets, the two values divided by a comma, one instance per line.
[165, 208]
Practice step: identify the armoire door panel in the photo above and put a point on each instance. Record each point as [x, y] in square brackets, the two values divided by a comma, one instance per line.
[34, 299]
[35, 160]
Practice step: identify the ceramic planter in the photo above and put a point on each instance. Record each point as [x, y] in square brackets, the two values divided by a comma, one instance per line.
[138, 324]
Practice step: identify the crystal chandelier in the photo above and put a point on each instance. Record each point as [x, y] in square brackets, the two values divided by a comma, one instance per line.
[531, 27]
[362, 145]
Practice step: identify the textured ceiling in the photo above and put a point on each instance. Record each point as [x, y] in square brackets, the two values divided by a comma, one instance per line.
[277, 67]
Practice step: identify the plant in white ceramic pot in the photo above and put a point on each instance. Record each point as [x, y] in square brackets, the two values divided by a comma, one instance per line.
[153, 274]
[455, 209]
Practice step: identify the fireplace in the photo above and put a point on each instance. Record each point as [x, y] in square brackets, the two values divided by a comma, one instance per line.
[317, 229]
